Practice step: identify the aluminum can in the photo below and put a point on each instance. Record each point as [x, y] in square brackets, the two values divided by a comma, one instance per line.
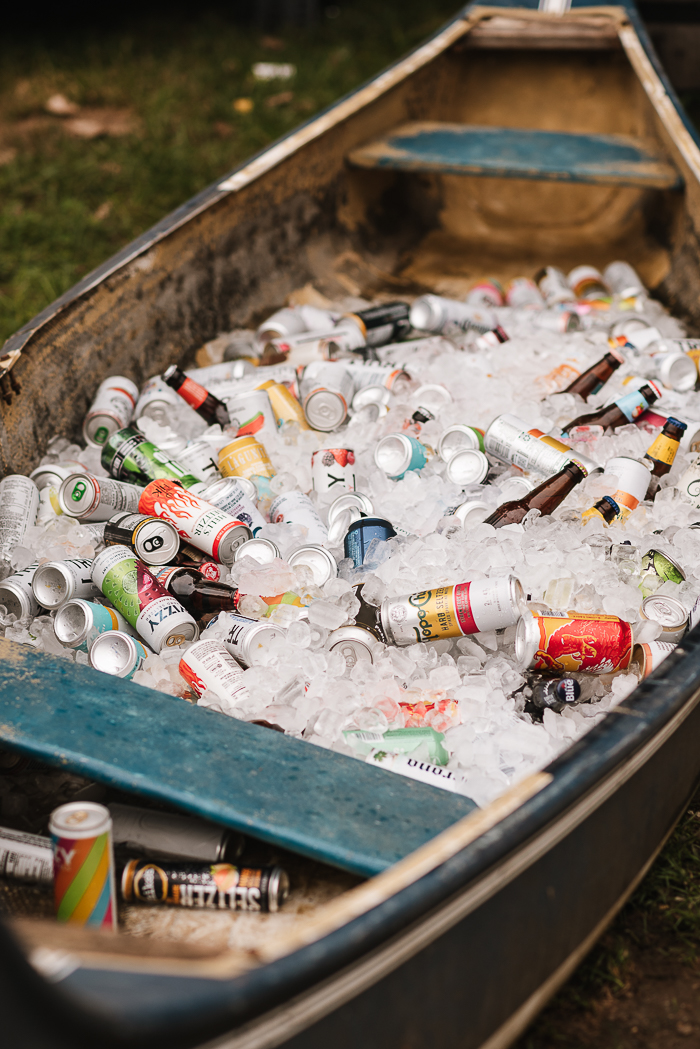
[246, 639]
[251, 414]
[467, 466]
[554, 287]
[486, 293]
[677, 371]
[157, 401]
[77, 623]
[112, 409]
[52, 475]
[196, 520]
[372, 373]
[16, 593]
[153, 539]
[306, 347]
[233, 495]
[453, 611]
[292, 320]
[128, 456]
[694, 617]
[423, 771]
[245, 457]
[19, 503]
[373, 401]
[118, 654]
[514, 488]
[509, 440]
[689, 483]
[171, 836]
[84, 890]
[436, 314]
[670, 613]
[471, 512]
[96, 499]
[297, 508]
[566, 642]
[355, 643]
[656, 569]
[587, 283]
[523, 293]
[215, 886]
[632, 482]
[57, 581]
[208, 664]
[623, 280]
[327, 390]
[25, 857]
[130, 586]
[362, 533]
[200, 459]
[333, 469]
[561, 321]
[284, 403]
[355, 502]
[398, 453]
[261, 550]
[651, 654]
[318, 560]
[459, 436]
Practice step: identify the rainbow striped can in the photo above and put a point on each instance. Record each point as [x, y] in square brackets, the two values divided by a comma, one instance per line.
[83, 865]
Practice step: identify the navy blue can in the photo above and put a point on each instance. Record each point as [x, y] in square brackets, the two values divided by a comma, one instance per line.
[360, 535]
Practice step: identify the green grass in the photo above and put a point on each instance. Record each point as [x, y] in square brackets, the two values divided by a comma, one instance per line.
[179, 78]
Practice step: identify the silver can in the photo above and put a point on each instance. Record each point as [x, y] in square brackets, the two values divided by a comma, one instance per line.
[293, 320]
[372, 373]
[398, 453]
[554, 287]
[118, 654]
[153, 539]
[16, 593]
[471, 512]
[457, 437]
[201, 460]
[96, 499]
[251, 413]
[333, 469]
[261, 550]
[355, 644]
[246, 639]
[236, 496]
[436, 314]
[321, 563]
[19, 503]
[651, 654]
[208, 665]
[158, 401]
[355, 502]
[112, 409]
[670, 613]
[327, 390]
[169, 835]
[509, 440]
[26, 857]
[523, 293]
[52, 475]
[297, 508]
[77, 623]
[467, 466]
[623, 280]
[57, 581]
[373, 401]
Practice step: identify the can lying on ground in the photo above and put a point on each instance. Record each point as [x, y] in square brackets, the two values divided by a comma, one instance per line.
[212, 886]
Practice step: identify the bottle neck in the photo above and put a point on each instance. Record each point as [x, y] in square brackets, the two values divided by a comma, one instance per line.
[554, 490]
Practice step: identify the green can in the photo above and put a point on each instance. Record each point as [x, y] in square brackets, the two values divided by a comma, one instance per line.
[399, 741]
[656, 569]
[128, 456]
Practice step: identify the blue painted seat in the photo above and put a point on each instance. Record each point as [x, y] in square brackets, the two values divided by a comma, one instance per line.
[460, 149]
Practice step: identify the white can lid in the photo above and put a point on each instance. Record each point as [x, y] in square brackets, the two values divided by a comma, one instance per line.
[80, 819]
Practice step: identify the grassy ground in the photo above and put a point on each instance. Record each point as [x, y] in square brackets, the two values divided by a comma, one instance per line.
[158, 119]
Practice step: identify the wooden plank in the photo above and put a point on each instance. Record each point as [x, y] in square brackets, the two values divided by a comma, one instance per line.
[503, 31]
[461, 149]
[282, 790]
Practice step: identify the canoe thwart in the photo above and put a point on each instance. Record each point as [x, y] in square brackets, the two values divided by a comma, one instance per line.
[500, 152]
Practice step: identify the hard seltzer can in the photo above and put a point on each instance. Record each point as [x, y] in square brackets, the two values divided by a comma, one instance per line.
[16, 593]
[246, 639]
[689, 483]
[201, 459]
[245, 457]
[568, 642]
[297, 508]
[251, 413]
[19, 503]
[208, 665]
[129, 456]
[327, 389]
[333, 469]
[131, 587]
[231, 496]
[205, 526]
[112, 409]
[656, 569]
[25, 857]
[96, 499]
[118, 654]
[157, 401]
[651, 654]
[57, 581]
[453, 611]
[152, 539]
[78, 623]
[509, 440]
[84, 889]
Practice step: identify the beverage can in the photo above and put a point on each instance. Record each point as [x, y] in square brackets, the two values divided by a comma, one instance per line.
[233, 495]
[333, 469]
[488, 293]
[670, 613]
[96, 499]
[52, 475]
[651, 654]
[362, 533]
[16, 593]
[208, 886]
[297, 508]
[19, 503]
[157, 401]
[656, 569]
[453, 611]
[587, 282]
[285, 405]
[118, 654]
[129, 456]
[423, 771]
[246, 639]
[566, 642]
[77, 623]
[633, 478]
[84, 889]
[25, 857]
[208, 665]
[57, 581]
[373, 373]
[317, 559]
[355, 644]
[199, 522]
[153, 539]
[245, 457]
[509, 440]
[111, 410]
[130, 586]
[523, 293]
[467, 466]
[398, 453]
[688, 484]
[261, 550]
[554, 286]
[327, 390]
[171, 835]
[201, 459]
[436, 314]
[459, 436]
[251, 414]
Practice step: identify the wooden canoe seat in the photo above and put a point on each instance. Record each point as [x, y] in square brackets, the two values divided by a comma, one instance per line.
[501, 152]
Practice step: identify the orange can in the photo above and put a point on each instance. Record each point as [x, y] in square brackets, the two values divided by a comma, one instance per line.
[245, 457]
[566, 642]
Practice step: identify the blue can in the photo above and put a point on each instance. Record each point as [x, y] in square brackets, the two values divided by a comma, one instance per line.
[360, 535]
[397, 453]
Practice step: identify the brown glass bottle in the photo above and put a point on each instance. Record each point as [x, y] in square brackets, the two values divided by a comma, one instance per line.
[622, 411]
[662, 451]
[545, 498]
[595, 377]
[199, 596]
[211, 409]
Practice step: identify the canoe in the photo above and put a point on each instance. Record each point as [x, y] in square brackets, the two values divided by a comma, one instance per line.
[512, 138]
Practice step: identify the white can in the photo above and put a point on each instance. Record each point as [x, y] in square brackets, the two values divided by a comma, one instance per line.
[320, 562]
[587, 283]
[16, 593]
[251, 414]
[297, 508]
[52, 475]
[112, 409]
[632, 482]
[19, 503]
[261, 550]
[246, 639]
[670, 613]
[201, 459]
[423, 771]
[97, 499]
[333, 469]
[157, 401]
[508, 439]
[233, 496]
[57, 581]
[651, 654]
[372, 373]
[77, 623]
[554, 287]
[118, 654]
[292, 320]
[456, 437]
[201, 523]
[623, 280]
[355, 502]
[208, 665]
[434, 313]
[688, 483]
[327, 390]
[523, 293]
[467, 466]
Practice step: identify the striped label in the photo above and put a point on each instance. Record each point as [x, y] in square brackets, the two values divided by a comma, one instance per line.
[84, 881]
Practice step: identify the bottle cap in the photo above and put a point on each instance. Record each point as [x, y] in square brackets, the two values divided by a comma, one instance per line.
[609, 499]
[677, 422]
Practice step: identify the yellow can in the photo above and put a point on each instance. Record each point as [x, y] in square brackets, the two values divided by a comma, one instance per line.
[284, 404]
[245, 457]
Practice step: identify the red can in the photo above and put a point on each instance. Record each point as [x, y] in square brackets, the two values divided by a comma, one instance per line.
[567, 642]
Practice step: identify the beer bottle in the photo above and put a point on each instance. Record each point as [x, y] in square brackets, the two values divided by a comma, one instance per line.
[211, 409]
[545, 498]
[625, 410]
[595, 377]
[606, 508]
[554, 694]
[662, 451]
[198, 595]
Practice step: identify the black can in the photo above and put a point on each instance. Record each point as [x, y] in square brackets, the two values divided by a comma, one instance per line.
[385, 323]
[152, 539]
[361, 533]
[208, 886]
